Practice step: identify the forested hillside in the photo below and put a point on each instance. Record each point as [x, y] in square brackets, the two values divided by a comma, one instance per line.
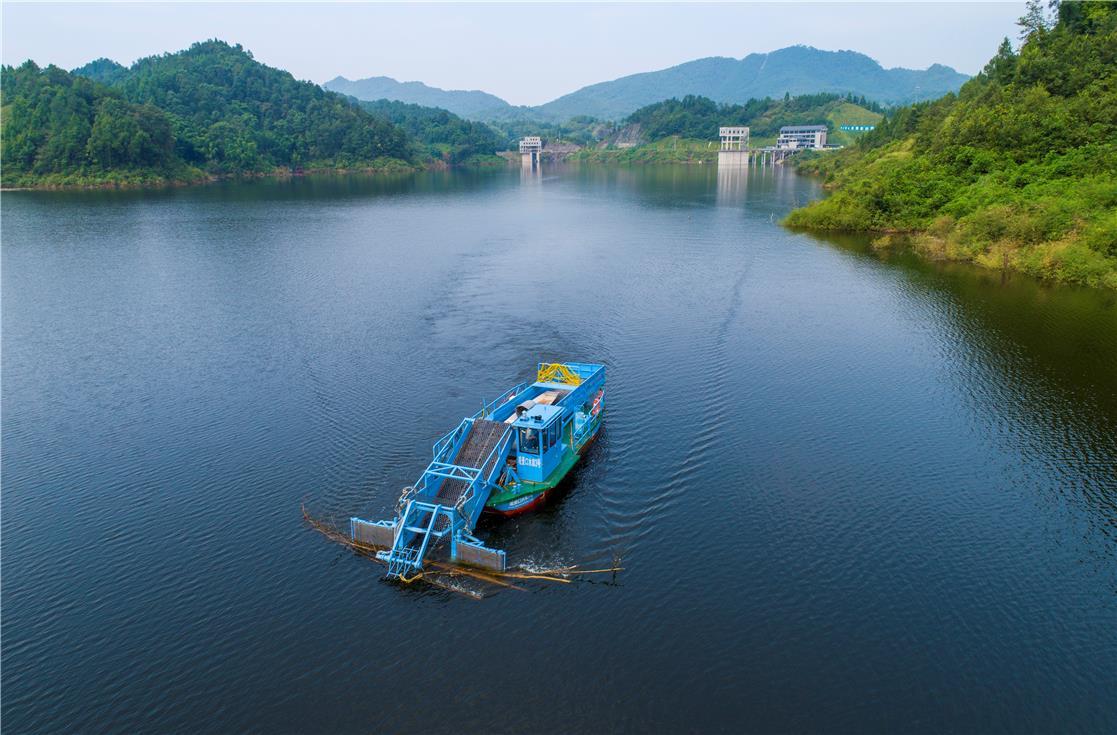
[1019, 170]
[209, 110]
[700, 117]
[232, 113]
[585, 131]
[686, 130]
[439, 133]
[63, 129]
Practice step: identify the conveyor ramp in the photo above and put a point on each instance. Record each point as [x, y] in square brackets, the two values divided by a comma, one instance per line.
[449, 498]
[483, 437]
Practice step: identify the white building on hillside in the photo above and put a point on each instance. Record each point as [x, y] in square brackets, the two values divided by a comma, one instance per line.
[802, 136]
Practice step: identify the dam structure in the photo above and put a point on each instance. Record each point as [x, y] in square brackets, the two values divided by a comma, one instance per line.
[531, 148]
[736, 153]
[734, 149]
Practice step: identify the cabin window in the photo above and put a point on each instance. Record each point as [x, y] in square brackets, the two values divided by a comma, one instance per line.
[529, 441]
[552, 435]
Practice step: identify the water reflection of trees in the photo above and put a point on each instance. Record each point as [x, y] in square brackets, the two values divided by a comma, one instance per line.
[1034, 361]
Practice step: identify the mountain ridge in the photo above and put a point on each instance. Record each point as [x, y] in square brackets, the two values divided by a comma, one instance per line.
[464, 102]
[794, 70]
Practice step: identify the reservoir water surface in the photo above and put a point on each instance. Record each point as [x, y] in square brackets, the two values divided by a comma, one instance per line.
[851, 492]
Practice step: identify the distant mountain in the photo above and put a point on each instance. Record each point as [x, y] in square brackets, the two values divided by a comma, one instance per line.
[796, 70]
[473, 104]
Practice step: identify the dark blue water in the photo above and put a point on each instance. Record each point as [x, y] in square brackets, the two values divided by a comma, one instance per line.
[852, 493]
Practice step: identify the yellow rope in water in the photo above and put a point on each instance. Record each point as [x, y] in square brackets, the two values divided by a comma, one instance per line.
[515, 575]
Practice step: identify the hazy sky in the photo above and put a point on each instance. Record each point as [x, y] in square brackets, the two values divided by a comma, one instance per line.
[525, 53]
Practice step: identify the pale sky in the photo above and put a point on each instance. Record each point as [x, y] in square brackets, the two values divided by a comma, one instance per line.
[526, 53]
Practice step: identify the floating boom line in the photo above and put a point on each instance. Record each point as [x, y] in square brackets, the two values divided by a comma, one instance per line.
[439, 572]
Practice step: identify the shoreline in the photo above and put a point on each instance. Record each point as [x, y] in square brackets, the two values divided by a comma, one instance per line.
[1036, 261]
[247, 176]
[1063, 260]
[280, 173]
[285, 173]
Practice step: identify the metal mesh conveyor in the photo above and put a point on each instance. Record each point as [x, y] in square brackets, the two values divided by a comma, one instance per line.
[483, 437]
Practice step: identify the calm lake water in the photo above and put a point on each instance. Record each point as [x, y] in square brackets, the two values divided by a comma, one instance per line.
[853, 493]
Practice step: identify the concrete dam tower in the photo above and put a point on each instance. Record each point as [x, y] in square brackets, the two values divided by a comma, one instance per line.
[530, 149]
[734, 149]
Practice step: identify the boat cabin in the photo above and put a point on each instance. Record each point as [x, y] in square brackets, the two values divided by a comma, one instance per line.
[539, 440]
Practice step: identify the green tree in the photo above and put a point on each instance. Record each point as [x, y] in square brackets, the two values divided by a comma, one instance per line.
[1034, 19]
[129, 135]
[1002, 67]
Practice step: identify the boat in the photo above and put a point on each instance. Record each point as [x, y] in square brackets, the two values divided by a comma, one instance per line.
[505, 459]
